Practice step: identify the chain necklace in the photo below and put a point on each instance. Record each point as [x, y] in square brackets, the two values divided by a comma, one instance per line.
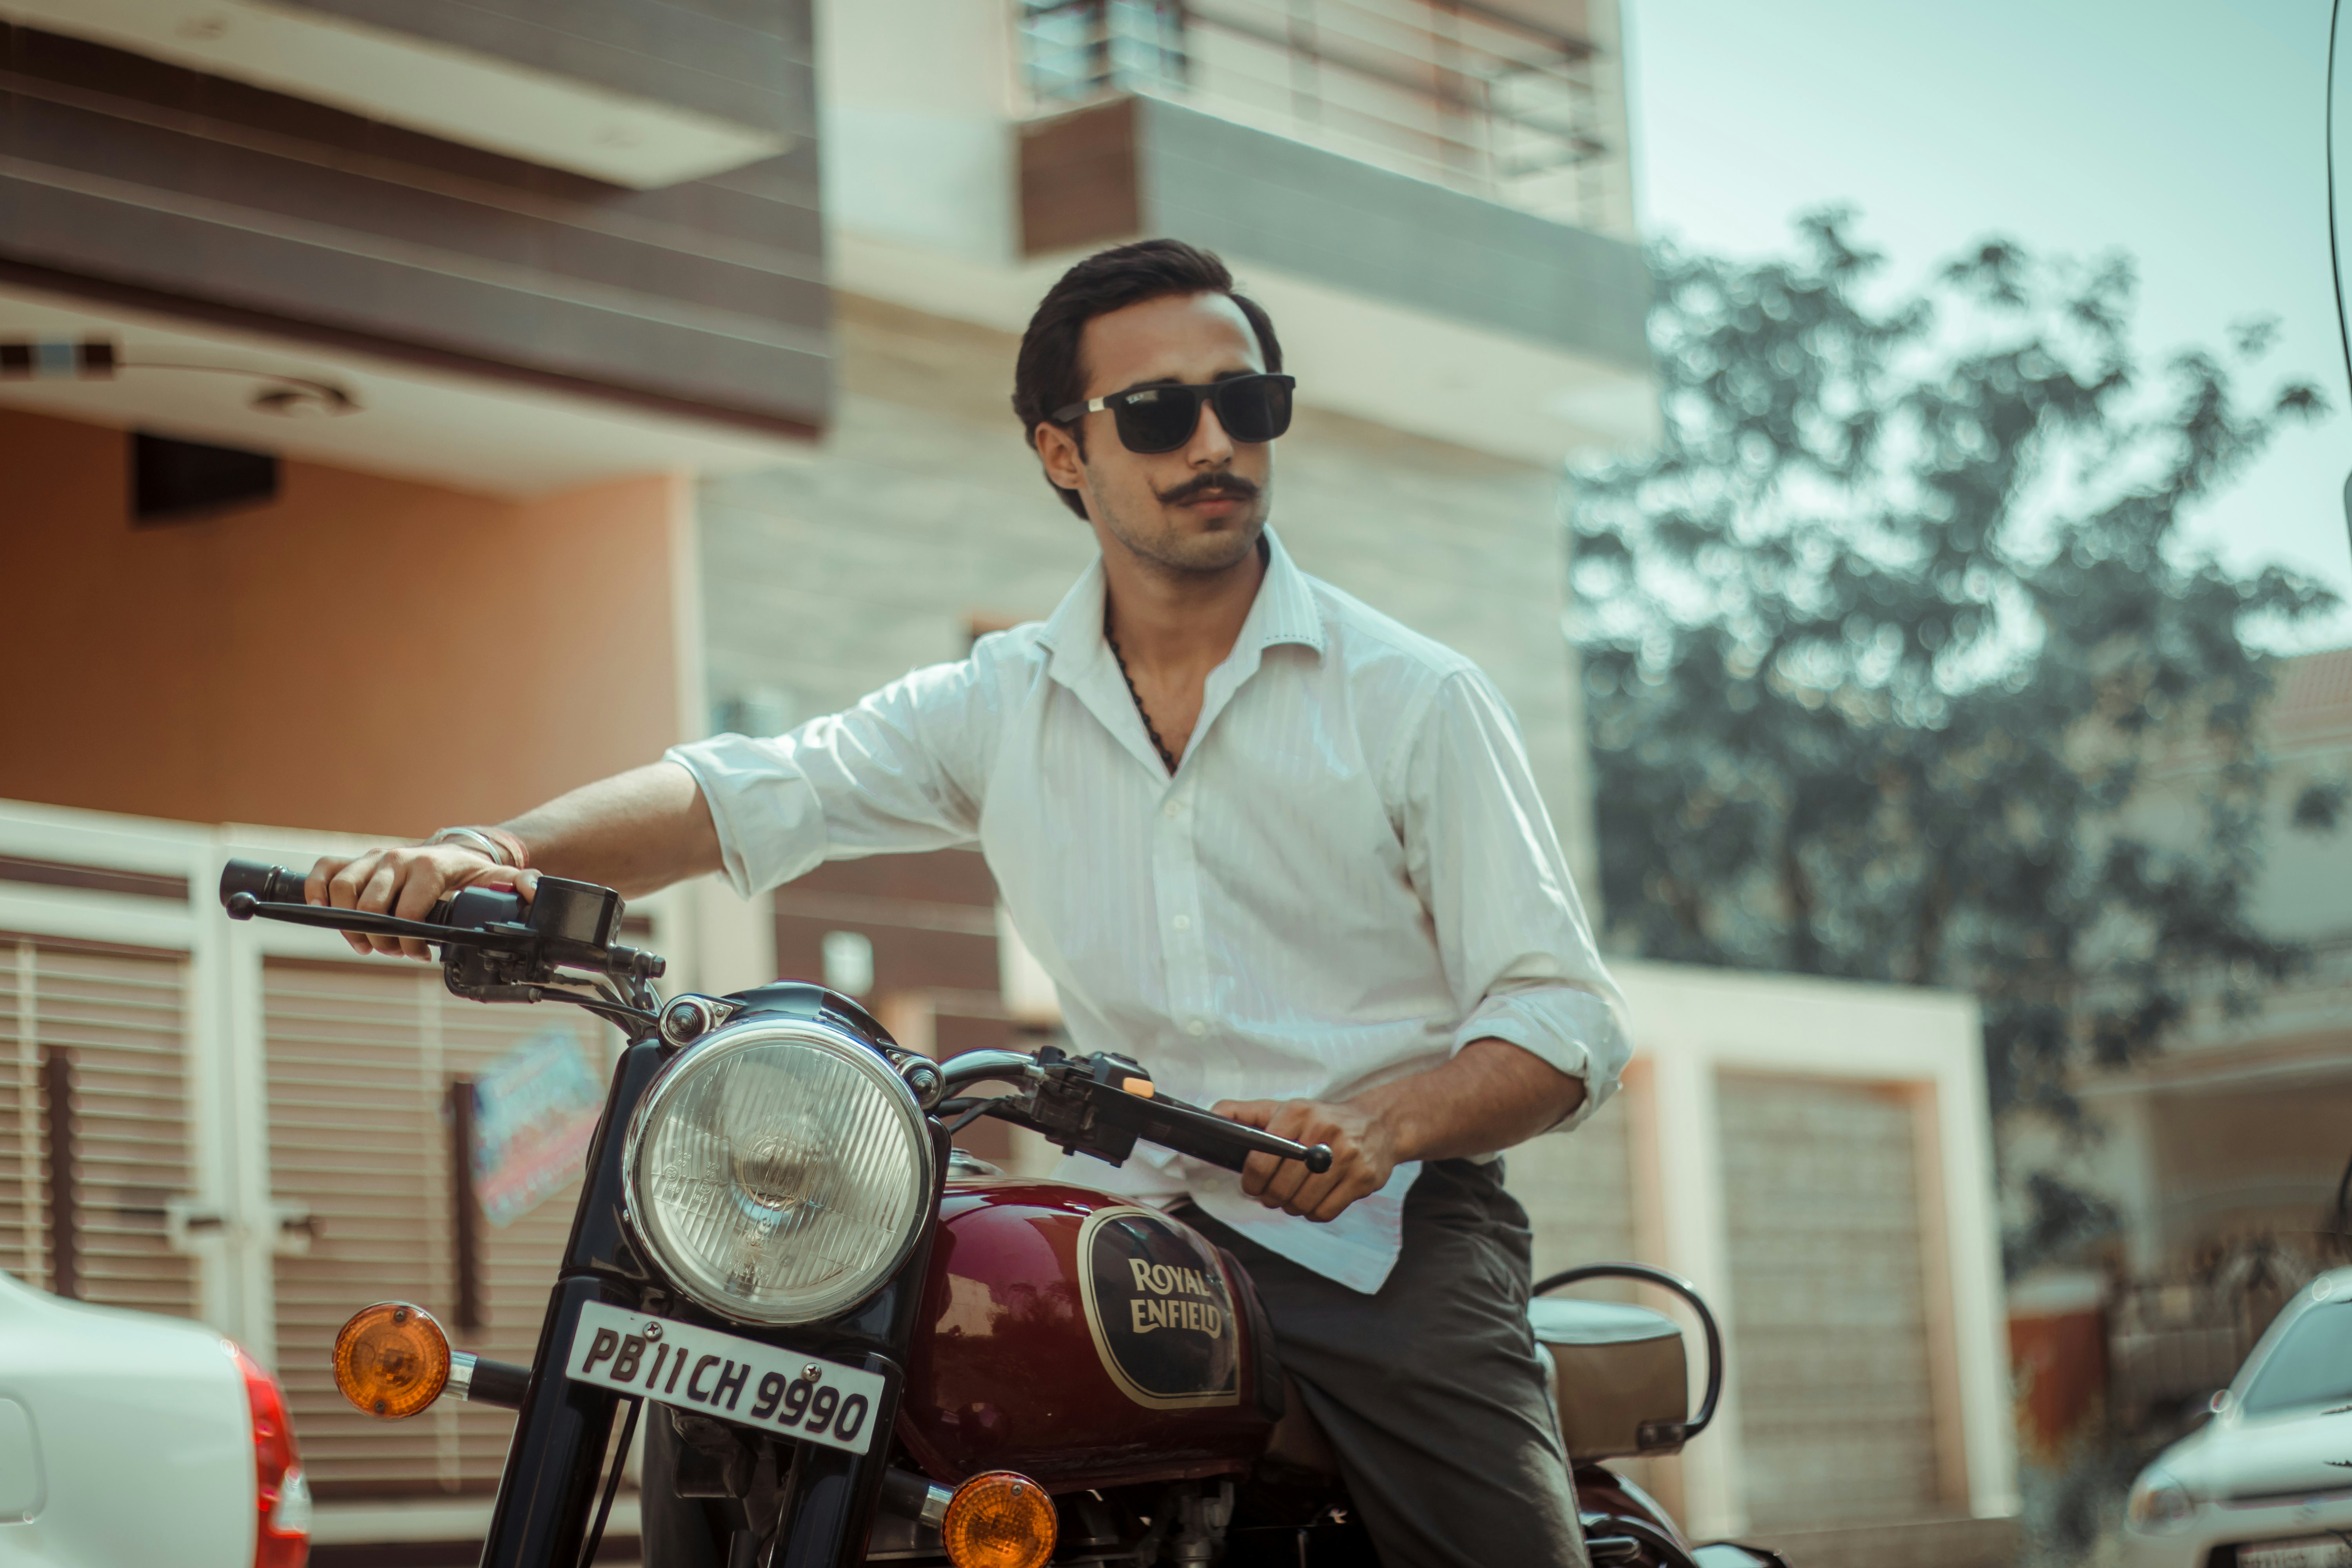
[1149, 728]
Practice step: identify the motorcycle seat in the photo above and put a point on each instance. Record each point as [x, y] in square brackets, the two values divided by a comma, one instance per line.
[1561, 1320]
[1618, 1380]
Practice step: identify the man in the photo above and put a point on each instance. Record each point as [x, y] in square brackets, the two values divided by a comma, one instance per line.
[1280, 849]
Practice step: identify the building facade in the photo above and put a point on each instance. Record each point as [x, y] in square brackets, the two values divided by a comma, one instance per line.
[482, 399]
[2217, 1162]
[357, 365]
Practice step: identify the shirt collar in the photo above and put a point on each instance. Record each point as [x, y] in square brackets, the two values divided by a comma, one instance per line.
[1079, 657]
[1284, 611]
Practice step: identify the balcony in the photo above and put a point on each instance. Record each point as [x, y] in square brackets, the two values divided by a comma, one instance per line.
[612, 207]
[1494, 100]
[1374, 203]
[1143, 165]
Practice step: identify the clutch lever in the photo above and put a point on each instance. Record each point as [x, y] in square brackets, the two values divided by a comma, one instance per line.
[246, 907]
[591, 957]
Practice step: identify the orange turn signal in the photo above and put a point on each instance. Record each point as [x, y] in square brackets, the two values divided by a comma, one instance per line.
[999, 1520]
[392, 1359]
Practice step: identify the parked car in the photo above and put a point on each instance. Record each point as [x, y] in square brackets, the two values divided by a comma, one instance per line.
[127, 1438]
[2269, 1477]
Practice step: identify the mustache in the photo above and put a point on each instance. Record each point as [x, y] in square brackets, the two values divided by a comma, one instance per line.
[1221, 485]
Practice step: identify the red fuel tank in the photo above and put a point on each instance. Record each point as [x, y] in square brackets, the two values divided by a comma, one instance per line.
[1080, 1340]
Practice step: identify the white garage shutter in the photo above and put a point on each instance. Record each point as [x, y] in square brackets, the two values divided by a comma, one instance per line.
[1829, 1338]
[23, 1241]
[108, 1026]
[359, 1056]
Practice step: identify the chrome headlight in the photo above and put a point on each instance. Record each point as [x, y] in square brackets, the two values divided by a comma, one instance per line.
[778, 1171]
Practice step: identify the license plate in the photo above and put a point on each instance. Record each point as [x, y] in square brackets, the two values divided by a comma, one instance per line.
[787, 1392]
[2312, 1552]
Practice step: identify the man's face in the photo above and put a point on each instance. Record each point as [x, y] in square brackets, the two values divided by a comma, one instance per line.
[1201, 508]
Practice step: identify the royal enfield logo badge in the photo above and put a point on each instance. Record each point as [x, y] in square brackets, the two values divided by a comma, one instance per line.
[1157, 1303]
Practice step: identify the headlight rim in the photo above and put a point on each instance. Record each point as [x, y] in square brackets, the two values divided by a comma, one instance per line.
[740, 1033]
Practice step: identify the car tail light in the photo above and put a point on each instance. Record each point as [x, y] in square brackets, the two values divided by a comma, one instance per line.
[281, 1497]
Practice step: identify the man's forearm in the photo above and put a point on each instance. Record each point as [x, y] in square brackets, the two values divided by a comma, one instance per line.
[1491, 1095]
[637, 832]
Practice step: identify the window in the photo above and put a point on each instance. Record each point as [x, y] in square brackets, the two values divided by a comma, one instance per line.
[2311, 1363]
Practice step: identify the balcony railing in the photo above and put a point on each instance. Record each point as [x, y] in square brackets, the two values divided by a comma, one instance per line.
[1463, 93]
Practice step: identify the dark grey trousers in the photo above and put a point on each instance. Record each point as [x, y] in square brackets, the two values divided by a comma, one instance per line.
[1430, 1391]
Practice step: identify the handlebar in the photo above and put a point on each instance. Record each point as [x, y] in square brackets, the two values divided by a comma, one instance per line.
[247, 885]
[960, 1073]
[269, 884]
[1104, 1104]
[1203, 1133]
[494, 947]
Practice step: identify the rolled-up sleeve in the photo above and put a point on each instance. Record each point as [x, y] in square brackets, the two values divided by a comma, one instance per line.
[1517, 950]
[898, 773]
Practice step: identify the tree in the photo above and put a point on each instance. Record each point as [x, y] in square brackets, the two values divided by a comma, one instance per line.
[1881, 640]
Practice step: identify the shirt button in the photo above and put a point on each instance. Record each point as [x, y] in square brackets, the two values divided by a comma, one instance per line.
[1172, 810]
[1182, 922]
[1196, 1028]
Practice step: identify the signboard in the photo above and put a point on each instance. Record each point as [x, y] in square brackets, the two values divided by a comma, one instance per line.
[535, 1110]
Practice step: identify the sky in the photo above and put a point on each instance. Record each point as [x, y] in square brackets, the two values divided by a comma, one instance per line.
[2191, 136]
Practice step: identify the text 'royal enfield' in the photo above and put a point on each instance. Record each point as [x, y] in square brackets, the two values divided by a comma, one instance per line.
[871, 1347]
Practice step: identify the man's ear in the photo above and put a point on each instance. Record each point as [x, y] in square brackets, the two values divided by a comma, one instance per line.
[1058, 449]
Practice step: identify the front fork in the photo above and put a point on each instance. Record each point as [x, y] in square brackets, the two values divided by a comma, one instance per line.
[829, 1506]
[548, 1493]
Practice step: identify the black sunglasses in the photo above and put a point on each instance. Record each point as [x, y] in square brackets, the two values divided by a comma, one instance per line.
[1162, 418]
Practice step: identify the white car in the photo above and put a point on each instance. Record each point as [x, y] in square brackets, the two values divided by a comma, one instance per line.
[126, 1437]
[2269, 1479]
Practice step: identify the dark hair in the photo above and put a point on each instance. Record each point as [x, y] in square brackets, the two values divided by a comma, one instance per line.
[1048, 375]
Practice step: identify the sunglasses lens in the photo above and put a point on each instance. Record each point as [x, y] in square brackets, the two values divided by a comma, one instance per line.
[1255, 408]
[1157, 418]
[1162, 418]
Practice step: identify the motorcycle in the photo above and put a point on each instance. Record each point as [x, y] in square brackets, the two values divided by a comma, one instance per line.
[870, 1346]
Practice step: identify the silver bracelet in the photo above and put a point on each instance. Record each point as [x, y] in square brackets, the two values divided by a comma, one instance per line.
[472, 839]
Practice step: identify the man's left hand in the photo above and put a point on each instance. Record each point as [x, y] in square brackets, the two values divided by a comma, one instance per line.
[1363, 1154]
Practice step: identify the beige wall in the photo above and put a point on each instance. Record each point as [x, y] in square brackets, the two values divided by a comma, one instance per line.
[363, 653]
[2241, 1159]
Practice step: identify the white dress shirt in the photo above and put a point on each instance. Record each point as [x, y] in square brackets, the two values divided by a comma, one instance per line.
[1349, 878]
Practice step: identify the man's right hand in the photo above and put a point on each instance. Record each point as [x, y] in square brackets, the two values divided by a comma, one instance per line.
[406, 882]
[635, 833]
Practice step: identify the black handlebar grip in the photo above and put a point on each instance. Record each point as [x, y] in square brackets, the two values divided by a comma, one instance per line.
[270, 884]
